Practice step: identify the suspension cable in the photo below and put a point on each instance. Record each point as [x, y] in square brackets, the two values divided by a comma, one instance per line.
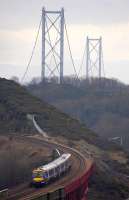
[71, 56]
[32, 53]
[82, 61]
[104, 73]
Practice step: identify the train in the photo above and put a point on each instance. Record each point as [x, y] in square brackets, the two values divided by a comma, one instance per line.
[44, 174]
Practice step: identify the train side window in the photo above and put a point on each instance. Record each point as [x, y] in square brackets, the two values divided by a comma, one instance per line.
[45, 174]
[56, 170]
[51, 172]
[62, 166]
[66, 164]
[48, 174]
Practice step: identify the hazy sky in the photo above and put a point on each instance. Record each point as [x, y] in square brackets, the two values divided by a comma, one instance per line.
[107, 18]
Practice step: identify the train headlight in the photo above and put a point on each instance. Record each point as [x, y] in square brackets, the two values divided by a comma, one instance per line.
[38, 180]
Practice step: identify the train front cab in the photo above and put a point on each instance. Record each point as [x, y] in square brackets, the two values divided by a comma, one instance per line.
[39, 177]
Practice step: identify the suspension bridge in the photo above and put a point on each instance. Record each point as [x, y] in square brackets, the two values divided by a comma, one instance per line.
[54, 33]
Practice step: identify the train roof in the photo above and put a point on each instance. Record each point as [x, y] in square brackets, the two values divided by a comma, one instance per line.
[56, 162]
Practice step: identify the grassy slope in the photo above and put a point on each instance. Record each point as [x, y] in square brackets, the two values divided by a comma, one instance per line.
[15, 103]
[17, 160]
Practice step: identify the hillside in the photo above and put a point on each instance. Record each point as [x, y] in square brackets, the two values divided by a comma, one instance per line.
[17, 160]
[110, 178]
[16, 103]
[103, 107]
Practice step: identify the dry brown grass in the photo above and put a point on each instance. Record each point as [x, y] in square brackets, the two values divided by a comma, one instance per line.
[18, 158]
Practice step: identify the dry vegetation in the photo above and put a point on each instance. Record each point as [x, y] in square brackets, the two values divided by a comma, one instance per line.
[17, 159]
[101, 106]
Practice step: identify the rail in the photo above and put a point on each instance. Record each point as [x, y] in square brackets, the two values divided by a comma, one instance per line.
[71, 187]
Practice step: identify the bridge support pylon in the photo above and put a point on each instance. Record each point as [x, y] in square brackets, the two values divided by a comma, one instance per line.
[52, 44]
[93, 57]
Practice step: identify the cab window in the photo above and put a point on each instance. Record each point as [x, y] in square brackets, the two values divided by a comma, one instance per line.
[45, 175]
[37, 174]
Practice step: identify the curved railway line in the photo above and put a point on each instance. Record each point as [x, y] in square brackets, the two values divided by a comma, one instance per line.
[79, 165]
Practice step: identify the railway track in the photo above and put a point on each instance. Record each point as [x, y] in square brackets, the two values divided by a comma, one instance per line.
[79, 165]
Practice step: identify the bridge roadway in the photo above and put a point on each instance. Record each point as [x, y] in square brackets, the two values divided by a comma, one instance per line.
[79, 166]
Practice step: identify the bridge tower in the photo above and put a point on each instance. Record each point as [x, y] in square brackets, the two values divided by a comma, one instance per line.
[52, 44]
[93, 57]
